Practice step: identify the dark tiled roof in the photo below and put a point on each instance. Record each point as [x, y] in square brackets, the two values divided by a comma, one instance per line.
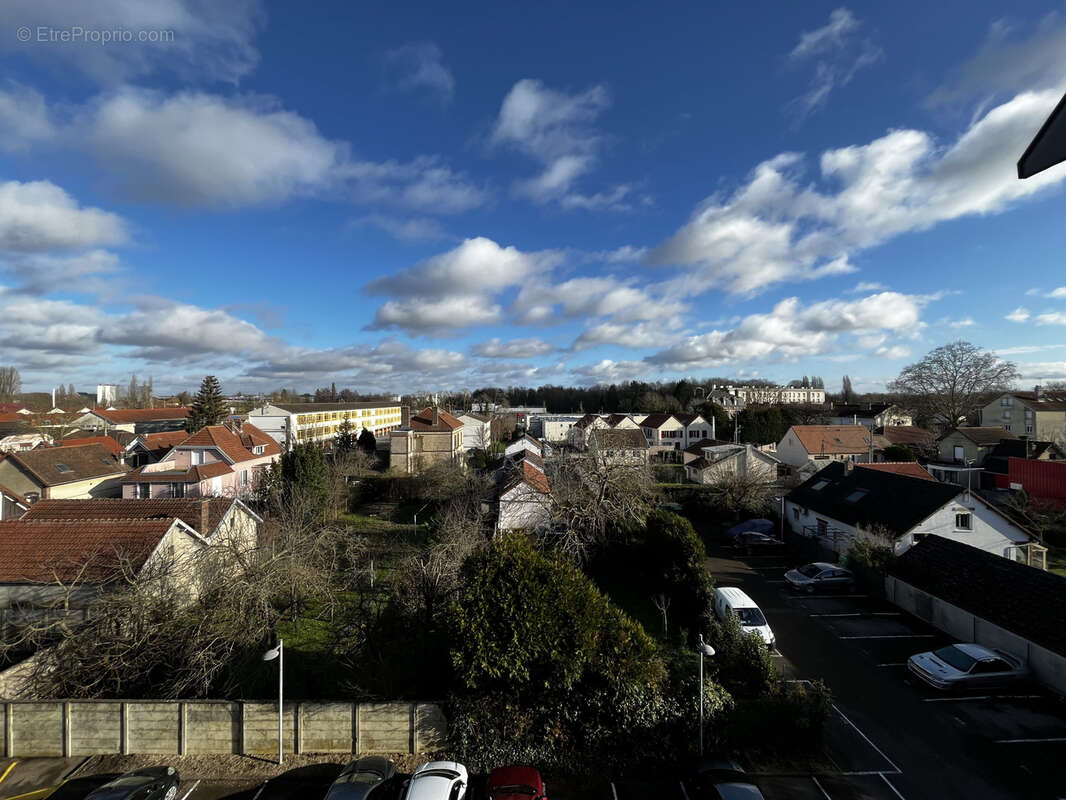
[897, 502]
[656, 420]
[984, 436]
[1024, 600]
[586, 420]
[1045, 403]
[911, 468]
[84, 462]
[47, 550]
[1025, 448]
[619, 439]
[113, 447]
[124, 416]
[908, 434]
[159, 444]
[201, 514]
[696, 448]
[314, 408]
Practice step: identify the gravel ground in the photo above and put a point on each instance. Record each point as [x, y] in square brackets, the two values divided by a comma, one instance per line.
[234, 767]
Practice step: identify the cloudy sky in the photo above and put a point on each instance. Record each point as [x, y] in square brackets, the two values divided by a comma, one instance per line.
[438, 196]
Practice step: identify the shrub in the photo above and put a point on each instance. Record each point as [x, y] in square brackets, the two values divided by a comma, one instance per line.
[549, 670]
[671, 559]
[742, 663]
[792, 717]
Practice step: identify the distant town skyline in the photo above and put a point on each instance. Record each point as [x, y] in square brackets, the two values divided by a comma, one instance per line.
[417, 197]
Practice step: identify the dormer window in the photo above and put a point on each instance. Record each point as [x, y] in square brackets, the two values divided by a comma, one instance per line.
[259, 449]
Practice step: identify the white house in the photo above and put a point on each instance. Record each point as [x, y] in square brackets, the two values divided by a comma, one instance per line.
[526, 444]
[663, 432]
[872, 415]
[477, 430]
[525, 497]
[23, 441]
[696, 428]
[553, 427]
[825, 443]
[843, 503]
[717, 461]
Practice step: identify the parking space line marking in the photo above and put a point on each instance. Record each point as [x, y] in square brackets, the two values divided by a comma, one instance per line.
[614, 792]
[192, 789]
[896, 636]
[766, 581]
[263, 786]
[859, 614]
[893, 664]
[860, 772]
[867, 738]
[963, 698]
[1031, 741]
[10, 767]
[684, 793]
[890, 786]
[850, 614]
[821, 788]
[828, 596]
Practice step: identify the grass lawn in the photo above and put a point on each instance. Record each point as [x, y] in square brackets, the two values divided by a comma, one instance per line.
[1056, 560]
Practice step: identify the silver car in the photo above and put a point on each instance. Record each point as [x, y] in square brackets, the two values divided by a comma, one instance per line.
[820, 575]
[967, 666]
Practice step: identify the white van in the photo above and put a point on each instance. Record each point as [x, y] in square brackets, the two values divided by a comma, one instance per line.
[730, 599]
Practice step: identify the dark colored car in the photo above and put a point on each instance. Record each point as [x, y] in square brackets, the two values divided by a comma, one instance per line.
[820, 575]
[722, 779]
[515, 783]
[150, 783]
[753, 541]
[362, 777]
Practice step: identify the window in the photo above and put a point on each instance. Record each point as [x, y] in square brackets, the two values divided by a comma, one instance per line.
[1006, 413]
[1006, 427]
[1006, 400]
[177, 490]
[819, 485]
[259, 449]
[856, 496]
[144, 491]
[63, 468]
[244, 477]
[1028, 428]
[964, 521]
[795, 513]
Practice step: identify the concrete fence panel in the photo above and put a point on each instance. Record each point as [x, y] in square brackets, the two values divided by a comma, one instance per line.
[153, 727]
[94, 728]
[89, 727]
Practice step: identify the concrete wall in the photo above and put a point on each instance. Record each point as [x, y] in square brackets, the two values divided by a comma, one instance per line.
[87, 727]
[1049, 668]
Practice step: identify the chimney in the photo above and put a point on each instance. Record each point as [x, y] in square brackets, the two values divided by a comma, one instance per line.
[436, 417]
[205, 508]
[1038, 390]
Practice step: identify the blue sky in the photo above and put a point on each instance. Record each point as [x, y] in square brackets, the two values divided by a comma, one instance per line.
[421, 196]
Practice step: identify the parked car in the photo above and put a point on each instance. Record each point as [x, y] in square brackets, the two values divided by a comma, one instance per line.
[751, 541]
[731, 600]
[820, 575]
[966, 666]
[722, 779]
[757, 525]
[362, 777]
[438, 780]
[150, 783]
[515, 783]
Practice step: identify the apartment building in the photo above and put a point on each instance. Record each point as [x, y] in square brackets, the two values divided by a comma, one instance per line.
[290, 424]
[432, 437]
[1034, 414]
[767, 395]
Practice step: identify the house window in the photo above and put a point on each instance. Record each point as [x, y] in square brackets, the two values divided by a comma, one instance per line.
[1006, 427]
[177, 490]
[795, 513]
[63, 468]
[1006, 400]
[1028, 428]
[196, 458]
[144, 491]
[244, 477]
[964, 522]
[259, 449]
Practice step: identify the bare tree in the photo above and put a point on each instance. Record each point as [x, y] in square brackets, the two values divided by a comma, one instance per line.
[10, 383]
[953, 381]
[662, 603]
[741, 494]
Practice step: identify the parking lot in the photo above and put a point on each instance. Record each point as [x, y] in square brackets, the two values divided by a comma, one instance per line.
[976, 745]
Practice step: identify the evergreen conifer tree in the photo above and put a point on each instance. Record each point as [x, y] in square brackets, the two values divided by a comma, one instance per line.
[208, 407]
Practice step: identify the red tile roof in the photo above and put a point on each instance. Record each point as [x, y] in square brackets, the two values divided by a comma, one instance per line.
[67, 550]
[833, 439]
[112, 446]
[908, 434]
[235, 446]
[525, 472]
[911, 468]
[159, 444]
[201, 514]
[123, 416]
[423, 421]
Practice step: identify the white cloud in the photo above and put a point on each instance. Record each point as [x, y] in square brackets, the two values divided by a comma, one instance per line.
[38, 216]
[778, 228]
[24, 118]
[1058, 294]
[419, 65]
[557, 130]
[636, 335]
[1018, 315]
[478, 264]
[966, 322]
[609, 371]
[541, 301]
[45, 273]
[867, 286]
[410, 229]
[1042, 370]
[1051, 318]
[1009, 63]
[621, 255]
[790, 331]
[189, 38]
[425, 315]
[513, 348]
[840, 56]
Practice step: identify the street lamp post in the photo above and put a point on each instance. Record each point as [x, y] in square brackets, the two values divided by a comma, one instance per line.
[423, 508]
[279, 653]
[703, 649]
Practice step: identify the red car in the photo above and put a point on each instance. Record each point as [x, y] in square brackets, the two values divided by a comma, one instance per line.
[515, 783]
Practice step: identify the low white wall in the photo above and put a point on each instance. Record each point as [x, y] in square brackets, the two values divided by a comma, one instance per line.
[1047, 667]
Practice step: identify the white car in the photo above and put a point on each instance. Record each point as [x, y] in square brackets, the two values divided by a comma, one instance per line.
[967, 666]
[438, 780]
